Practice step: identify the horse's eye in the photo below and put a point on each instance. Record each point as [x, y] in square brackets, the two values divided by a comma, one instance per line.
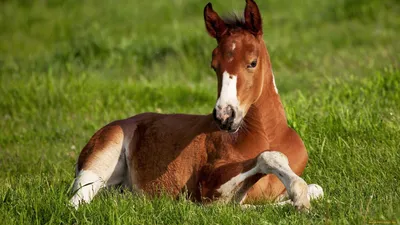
[252, 64]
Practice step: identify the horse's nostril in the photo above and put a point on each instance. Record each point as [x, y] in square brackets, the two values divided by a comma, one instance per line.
[224, 116]
[229, 111]
[233, 112]
[231, 116]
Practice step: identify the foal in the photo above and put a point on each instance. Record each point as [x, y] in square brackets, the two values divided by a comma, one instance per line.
[243, 152]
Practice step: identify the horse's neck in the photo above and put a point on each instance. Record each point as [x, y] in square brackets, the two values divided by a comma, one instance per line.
[264, 126]
[267, 114]
[266, 117]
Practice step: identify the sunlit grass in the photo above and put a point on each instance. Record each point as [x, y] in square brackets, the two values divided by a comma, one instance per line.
[68, 67]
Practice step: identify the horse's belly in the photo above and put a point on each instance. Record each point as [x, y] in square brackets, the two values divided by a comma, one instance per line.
[169, 167]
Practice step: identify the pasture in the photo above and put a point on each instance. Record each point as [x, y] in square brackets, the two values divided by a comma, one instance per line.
[69, 67]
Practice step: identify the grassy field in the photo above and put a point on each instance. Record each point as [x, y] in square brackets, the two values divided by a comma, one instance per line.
[69, 67]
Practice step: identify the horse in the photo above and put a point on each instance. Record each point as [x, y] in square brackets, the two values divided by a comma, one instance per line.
[242, 152]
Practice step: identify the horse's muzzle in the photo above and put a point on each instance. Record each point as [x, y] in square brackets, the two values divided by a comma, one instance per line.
[225, 118]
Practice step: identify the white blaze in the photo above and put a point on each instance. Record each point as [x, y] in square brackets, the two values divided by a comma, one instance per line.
[233, 46]
[228, 95]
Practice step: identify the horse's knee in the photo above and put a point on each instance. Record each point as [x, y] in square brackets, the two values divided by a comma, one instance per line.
[271, 160]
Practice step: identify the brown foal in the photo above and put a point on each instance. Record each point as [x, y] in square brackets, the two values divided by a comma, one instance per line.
[243, 152]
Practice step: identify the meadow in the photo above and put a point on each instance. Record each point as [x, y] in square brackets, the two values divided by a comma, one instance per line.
[69, 67]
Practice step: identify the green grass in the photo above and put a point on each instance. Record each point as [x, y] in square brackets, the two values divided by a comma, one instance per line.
[69, 67]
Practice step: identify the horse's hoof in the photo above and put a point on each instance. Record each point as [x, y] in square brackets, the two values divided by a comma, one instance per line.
[248, 206]
[315, 191]
[299, 195]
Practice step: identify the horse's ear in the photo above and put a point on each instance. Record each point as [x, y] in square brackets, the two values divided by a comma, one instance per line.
[252, 18]
[214, 24]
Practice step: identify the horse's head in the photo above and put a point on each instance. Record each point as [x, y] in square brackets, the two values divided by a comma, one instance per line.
[237, 61]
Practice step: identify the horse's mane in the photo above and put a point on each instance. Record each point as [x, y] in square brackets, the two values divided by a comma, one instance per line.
[233, 21]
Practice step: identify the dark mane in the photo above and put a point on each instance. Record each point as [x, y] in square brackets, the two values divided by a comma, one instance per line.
[233, 21]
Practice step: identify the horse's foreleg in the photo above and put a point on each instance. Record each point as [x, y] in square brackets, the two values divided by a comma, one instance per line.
[269, 162]
[273, 162]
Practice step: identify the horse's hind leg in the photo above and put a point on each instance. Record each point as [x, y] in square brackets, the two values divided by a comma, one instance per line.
[101, 163]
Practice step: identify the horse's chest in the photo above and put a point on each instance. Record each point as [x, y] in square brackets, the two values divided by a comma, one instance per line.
[225, 149]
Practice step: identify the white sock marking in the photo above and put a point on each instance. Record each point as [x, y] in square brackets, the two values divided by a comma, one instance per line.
[276, 163]
[86, 186]
[227, 189]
